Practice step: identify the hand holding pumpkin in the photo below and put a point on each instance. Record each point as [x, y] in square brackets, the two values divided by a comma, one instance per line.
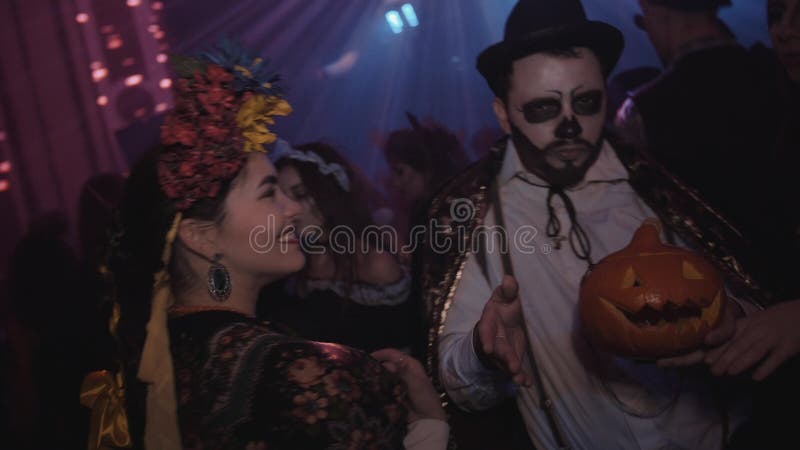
[651, 300]
[714, 340]
[770, 336]
[499, 336]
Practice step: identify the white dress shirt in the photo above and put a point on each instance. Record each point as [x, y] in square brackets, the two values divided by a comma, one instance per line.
[591, 391]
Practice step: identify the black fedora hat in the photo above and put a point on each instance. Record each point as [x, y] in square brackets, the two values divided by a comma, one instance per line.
[683, 5]
[540, 25]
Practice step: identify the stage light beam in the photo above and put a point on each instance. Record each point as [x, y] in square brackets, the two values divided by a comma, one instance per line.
[411, 15]
[395, 21]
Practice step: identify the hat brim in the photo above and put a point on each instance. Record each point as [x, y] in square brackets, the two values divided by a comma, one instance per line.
[603, 39]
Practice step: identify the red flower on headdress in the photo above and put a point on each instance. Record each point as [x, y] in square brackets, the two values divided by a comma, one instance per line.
[213, 93]
[176, 131]
[204, 140]
[217, 75]
[189, 176]
[214, 131]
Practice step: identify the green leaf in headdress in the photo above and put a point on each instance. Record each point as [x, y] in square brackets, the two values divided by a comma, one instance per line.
[185, 66]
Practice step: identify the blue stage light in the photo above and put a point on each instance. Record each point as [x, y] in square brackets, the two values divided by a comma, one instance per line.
[395, 21]
[411, 15]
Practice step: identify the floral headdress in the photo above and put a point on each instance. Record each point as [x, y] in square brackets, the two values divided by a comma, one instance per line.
[224, 102]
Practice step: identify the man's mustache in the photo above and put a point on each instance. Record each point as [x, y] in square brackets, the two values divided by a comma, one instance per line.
[578, 142]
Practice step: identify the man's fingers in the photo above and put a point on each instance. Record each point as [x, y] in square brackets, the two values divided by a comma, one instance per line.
[749, 358]
[775, 359]
[715, 353]
[721, 334]
[507, 291]
[733, 351]
[486, 333]
[507, 357]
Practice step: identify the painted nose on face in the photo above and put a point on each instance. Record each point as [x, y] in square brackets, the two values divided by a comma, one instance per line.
[569, 128]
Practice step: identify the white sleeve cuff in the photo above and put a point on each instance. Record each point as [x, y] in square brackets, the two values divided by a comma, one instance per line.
[427, 434]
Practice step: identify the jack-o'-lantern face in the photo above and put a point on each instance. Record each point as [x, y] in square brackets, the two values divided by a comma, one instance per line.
[650, 300]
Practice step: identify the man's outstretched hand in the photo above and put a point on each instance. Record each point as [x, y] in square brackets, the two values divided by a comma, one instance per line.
[499, 337]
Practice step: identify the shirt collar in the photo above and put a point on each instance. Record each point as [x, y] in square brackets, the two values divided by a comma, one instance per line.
[607, 168]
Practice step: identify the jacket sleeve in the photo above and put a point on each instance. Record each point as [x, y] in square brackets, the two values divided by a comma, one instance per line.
[472, 386]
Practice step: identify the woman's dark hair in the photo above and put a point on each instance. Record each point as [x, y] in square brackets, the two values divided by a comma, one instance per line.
[432, 150]
[338, 208]
[98, 202]
[145, 216]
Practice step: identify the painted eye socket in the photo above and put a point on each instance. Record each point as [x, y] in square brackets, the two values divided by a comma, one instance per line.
[630, 280]
[541, 110]
[690, 272]
[588, 103]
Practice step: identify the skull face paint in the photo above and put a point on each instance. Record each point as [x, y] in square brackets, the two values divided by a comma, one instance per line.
[555, 113]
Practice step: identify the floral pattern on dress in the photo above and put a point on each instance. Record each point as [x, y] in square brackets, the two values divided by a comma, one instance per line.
[242, 386]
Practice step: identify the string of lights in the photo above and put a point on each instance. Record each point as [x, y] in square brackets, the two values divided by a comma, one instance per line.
[128, 53]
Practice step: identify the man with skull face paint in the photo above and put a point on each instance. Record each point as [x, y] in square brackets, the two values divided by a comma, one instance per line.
[559, 173]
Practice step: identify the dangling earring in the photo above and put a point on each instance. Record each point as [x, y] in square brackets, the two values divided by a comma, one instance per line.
[219, 280]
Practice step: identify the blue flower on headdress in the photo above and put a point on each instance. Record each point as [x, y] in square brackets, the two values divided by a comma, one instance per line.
[250, 73]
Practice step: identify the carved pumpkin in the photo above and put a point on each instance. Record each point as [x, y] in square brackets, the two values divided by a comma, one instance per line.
[650, 300]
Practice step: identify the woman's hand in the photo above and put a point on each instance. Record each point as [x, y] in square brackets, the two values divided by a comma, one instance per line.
[423, 398]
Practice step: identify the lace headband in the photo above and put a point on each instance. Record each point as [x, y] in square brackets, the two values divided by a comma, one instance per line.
[283, 149]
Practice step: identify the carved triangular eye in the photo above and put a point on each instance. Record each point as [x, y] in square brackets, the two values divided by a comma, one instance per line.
[630, 280]
[690, 272]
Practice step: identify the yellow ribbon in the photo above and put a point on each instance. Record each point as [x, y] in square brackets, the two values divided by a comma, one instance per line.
[161, 430]
[103, 393]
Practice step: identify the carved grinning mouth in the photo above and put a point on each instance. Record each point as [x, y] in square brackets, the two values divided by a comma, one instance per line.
[689, 313]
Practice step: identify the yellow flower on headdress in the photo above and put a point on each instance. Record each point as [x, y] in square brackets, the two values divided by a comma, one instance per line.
[253, 118]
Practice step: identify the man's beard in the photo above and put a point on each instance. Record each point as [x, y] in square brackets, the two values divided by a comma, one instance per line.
[539, 161]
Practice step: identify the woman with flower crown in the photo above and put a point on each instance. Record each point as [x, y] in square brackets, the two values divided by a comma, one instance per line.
[206, 226]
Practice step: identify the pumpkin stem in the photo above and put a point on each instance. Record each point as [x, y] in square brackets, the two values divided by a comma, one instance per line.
[648, 235]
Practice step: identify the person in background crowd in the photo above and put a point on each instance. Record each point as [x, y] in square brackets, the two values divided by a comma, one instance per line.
[770, 338]
[354, 296]
[422, 158]
[49, 343]
[710, 112]
[621, 85]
